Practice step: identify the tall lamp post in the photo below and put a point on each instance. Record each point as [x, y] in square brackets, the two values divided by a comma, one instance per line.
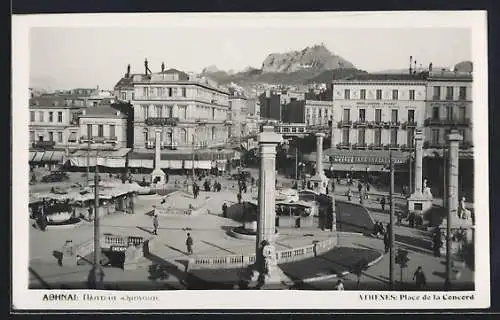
[391, 223]
[198, 124]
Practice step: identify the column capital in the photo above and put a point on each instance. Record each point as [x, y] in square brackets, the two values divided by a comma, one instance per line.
[454, 136]
[268, 136]
[320, 135]
[158, 130]
[419, 135]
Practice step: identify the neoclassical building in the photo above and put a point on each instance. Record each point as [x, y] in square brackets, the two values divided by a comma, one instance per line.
[191, 112]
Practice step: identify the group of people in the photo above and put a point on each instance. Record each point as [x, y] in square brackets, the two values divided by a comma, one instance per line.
[216, 187]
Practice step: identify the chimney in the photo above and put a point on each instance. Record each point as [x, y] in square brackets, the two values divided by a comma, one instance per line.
[415, 69]
[128, 71]
[411, 58]
[162, 66]
[430, 67]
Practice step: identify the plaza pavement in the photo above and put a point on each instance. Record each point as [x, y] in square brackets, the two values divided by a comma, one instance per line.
[209, 232]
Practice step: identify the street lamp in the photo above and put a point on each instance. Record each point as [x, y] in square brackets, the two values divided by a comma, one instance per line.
[391, 223]
[199, 123]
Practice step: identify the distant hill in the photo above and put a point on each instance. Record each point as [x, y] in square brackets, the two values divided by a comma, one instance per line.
[464, 66]
[312, 64]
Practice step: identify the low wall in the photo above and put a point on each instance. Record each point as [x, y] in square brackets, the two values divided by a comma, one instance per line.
[241, 261]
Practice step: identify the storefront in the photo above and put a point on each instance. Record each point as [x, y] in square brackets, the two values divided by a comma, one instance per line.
[48, 159]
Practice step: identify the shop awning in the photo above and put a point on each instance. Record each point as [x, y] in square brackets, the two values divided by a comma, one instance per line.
[38, 157]
[57, 156]
[105, 158]
[31, 156]
[47, 155]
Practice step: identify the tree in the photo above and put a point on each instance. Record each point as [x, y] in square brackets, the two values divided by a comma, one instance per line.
[402, 259]
[359, 268]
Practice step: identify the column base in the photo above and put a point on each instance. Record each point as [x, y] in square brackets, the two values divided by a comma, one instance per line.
[418, 202]
[158, 177]
[320, 183]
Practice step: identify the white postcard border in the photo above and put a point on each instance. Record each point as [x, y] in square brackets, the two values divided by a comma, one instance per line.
[23, 298]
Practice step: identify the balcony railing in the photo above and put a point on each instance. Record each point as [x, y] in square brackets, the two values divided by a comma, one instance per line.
[110, 139]
[360, 123]
[447, 122]
[394, 124]
[344, 145]
[433, 145]
[360, 146]
[393, 146]
[344, 123]
[377, 146]
[409, 124]
[44, 144]
[158, 121]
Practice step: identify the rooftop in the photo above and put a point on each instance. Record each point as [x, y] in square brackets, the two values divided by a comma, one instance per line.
[51, 102]
[384, 77]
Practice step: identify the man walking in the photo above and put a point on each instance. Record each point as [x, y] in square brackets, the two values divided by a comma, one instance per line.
[189, 244]
[155, 224]
[382, 203]
[419, 277]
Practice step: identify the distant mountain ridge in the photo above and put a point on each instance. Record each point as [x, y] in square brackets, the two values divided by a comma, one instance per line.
[311, 64]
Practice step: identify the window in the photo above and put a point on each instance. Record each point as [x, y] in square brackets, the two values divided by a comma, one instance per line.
[123, 95]
[89, 131]
[347, 94]
[394, 137]
[379, 94]
[345, 136]
[112, 130]
[378, 136]
[100, 130]
[435, 113]
[51, 136]
[32, 135]
[40, 115]
[182, 112]
[378, 115]
[72, 136]
[462, 94]
[169, 92]
[145, 92]
[145, 111]
[174, 92]
[184, 92]
[409, 138]
[362, 115]
[159, 112]
[411, 95]
[347, 113]
[435, 136]
[32, 116]
[51, 116]
[320, 111]
[436, 93]
[59, 137]
[170, 111]
[411, 116]
[59, 116]
[449, 113]
[449, 93]
[394, 116]
[362, 94]
[286, 129]
[461, 113]
[361, 136]
[213, 113]
[395, 94]
[146, 136]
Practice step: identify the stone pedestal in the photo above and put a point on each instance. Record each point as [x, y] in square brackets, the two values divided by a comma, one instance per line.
[421, 200]
[158, 177]
[319, 180]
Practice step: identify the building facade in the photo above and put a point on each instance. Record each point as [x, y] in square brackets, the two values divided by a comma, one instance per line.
[448, 105]
[104, 126]
[376, 111]
[318, 113]
[190, 112]
[53, 123]
[237, 114]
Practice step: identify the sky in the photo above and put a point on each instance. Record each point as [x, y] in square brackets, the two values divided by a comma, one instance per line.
[69, 57]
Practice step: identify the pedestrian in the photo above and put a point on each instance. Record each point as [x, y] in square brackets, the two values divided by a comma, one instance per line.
[339, 285]
[239, 197]
[411, 220]
[437, 243]
[189, 244]
[419, 277]
[349, 195]
[360, 187]
[224, 210]
[382, 203]
[387, 242]
[376, 229]
[155, 224]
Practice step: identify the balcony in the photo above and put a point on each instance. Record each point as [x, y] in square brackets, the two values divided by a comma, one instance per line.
[110, 139]
[377, 146]
[361, 123]
[360, 146]
[43, 144]
[464, 145]
[344, 123]
[409, 124]
[394, 124]
[433, 145]
[344, 145]
[157, 121]
[447, 122]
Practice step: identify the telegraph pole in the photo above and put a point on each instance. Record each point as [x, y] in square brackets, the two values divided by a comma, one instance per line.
[391, 223]
[88, 161]
[297, 164]
[192, 173]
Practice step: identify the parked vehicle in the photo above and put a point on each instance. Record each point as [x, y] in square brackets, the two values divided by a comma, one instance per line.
[56, 176]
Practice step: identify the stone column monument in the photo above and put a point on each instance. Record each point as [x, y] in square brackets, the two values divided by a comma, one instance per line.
[157, 176]
[421, 200]
[319, 180]
[332, 131]
[265, 273]
[453, 140]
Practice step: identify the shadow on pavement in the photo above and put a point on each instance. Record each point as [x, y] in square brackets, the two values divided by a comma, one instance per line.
[144, 229]
[162, 270]
[173, 248]
[218, 247]
[416, 242]
[44, 284]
